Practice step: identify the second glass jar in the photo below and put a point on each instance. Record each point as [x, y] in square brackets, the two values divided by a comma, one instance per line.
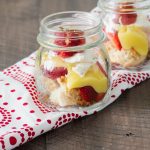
[127, 27]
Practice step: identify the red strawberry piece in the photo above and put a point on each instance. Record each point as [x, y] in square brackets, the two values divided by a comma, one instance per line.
[75, 38]
[61, 34]
[69, 38]
[114, 38]
[64, 54]
[126, 14]
[100, 96]
[60, 42]
[56, 72]
[127, 19]
[130, 16]
[88, 93]
[101, 69]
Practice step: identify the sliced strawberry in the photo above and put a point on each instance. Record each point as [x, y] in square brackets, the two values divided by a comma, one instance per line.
[56, 72]
[101, 69]
[128, 19]
[125, 19]
[126, 14]
[88, 93]
[61, 34]
[69, 38]
[75, 38]
[64, 54]
[100, 96]
[114, 38]
[60, 42]
[116, 41]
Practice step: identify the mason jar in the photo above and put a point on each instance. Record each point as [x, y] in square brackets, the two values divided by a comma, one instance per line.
[126, 24]
[72, 67]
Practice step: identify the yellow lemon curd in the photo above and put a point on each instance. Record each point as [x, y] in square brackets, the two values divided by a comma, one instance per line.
[94, 77]
[132, 37]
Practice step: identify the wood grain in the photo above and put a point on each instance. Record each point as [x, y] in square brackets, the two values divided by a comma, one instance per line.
[124, 125]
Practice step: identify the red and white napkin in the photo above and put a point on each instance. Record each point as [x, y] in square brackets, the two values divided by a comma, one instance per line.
[23, 117]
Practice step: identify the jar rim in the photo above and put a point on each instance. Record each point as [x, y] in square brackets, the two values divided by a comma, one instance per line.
[89, 15]
[110, 6]
[48, 30]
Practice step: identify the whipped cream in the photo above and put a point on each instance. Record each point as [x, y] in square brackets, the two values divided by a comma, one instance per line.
[51, 54]
[81, 68]
[49, 65]
[84, 61]
[88, 56]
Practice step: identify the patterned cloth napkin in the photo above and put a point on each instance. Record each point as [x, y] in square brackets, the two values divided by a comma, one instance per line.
[23, 117]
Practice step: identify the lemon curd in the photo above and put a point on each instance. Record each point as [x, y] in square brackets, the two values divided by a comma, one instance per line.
[133, 37]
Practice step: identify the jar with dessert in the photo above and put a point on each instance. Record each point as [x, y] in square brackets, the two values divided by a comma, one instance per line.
[72, 67]
[126, 24]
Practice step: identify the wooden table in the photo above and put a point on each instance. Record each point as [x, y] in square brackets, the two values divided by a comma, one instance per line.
[124, 125]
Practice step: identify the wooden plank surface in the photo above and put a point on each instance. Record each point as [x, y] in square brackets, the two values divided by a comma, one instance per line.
[124, 125]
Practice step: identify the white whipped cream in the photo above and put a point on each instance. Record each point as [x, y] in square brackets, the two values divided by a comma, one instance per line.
[49, 65]
[81, 68]
[89, 56]
[51, 54]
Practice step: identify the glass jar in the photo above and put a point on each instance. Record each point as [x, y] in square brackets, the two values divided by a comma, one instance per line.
[126, 24]
[72, 68]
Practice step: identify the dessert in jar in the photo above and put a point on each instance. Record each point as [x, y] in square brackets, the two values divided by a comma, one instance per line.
[126, 24]
[72, 68]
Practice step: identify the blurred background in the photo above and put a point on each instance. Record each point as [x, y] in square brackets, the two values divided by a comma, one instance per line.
[19, 24]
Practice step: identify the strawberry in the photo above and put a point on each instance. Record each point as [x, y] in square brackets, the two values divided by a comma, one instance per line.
[101, 69]
[114, 38]
[127, 19]
[126, 14]
[100, 96]
[65, 54]
[69, 38]
[88, 93]
[56, 72]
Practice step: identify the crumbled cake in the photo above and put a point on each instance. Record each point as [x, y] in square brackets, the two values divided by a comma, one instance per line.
[125, 58]
[56, 93]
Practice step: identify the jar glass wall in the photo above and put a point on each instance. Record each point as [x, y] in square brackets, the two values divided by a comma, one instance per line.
[72, 67]
[127, 27]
